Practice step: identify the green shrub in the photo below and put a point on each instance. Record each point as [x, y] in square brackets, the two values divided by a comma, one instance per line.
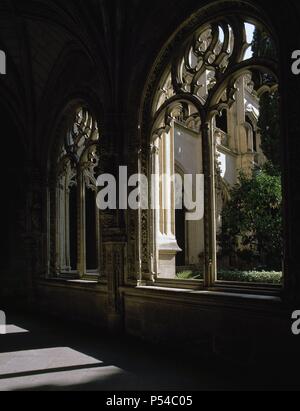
[189, 275]
[260, 277]
[252, 223]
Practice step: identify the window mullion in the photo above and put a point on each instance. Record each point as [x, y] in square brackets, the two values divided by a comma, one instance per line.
[67, 229]
[81, 224]
[98, 236]
[210, 206]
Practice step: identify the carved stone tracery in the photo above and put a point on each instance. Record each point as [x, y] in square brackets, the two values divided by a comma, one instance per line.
[204, 70]
[76, 168]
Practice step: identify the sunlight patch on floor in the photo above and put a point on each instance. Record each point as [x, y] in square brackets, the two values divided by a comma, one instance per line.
[13, 329]
[51, 367]
[40, 359]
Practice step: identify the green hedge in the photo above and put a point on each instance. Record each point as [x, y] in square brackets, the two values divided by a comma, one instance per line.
[264, 277]
[261, 277]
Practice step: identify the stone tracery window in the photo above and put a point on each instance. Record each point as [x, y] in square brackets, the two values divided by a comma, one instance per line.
[77, 217]
[217, 77]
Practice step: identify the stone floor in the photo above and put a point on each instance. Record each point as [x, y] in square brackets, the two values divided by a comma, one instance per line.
[45, 354]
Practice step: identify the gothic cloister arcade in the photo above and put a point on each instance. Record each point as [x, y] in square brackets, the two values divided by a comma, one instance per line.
[174, 88]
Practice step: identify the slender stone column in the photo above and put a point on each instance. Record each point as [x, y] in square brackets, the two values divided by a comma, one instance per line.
[209, 149]
[81, 226]
[67, 230]
[167, 243]
[59, 230]
[155, 206]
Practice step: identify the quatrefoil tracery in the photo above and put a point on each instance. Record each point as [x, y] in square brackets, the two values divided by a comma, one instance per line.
[207, 70]
[80, 148]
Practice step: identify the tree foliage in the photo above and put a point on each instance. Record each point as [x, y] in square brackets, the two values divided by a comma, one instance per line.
[269, 119]
[263, 45]
[252, 222]
[269, 126]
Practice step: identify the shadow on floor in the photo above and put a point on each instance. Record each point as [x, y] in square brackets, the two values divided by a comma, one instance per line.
[44, 354]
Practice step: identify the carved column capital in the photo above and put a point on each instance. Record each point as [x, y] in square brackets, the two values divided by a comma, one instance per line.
[154, 149]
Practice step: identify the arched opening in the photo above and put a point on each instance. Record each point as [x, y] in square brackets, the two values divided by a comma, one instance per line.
[74, 209]
[222, 121]
[223, 87]
[252, 133]
[181, 229]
